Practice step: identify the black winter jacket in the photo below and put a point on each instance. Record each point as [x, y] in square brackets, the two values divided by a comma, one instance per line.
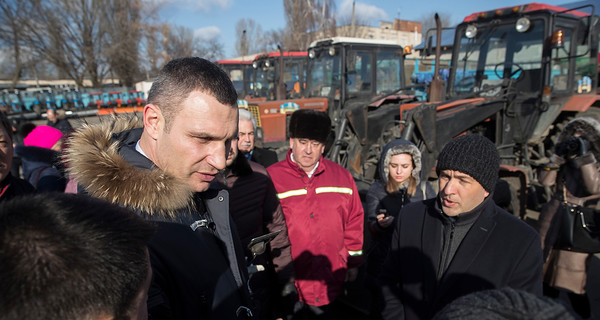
[12, 187]
[42, 168]
[197, 274]
[498, 251]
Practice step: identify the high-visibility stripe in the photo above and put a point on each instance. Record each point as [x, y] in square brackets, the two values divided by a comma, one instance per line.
[292, 193]
[355, 253]
[333, 190]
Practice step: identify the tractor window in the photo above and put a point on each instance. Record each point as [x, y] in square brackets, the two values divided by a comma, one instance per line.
[324, 79]
[293, 77]
[358, 68]
[264, 85]
[575, 48]
[496, 53]
[389, 72]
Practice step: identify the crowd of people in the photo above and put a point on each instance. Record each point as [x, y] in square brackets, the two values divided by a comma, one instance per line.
[179, 215]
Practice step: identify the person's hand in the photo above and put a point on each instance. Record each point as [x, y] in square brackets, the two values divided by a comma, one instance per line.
[351, 274]
[384, 221]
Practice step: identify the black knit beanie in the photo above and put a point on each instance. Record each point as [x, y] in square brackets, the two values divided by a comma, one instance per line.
[310, 124]
[474, 155]
[503, 304]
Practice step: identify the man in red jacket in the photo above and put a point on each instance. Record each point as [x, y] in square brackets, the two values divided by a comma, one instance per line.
[323, 213]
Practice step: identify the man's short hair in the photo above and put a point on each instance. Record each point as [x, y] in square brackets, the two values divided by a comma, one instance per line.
[5, 123]
[67, 256]
[247, 115]
[180, 77]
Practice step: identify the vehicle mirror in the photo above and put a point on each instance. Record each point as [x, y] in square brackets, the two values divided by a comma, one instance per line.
[428, 46]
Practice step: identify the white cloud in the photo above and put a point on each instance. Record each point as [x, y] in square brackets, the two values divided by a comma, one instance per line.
[204, 5]
[362, 11]
[207, 33]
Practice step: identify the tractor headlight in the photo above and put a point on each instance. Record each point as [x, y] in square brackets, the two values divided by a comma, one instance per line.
[471, 31]
[523, 24]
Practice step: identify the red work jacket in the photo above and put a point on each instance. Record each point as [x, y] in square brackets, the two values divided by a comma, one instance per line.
[325, 220]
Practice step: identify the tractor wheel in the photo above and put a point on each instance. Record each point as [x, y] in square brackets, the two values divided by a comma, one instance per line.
[349, 147]
[593, 111]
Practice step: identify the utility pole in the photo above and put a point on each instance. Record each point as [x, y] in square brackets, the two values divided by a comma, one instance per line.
[244, 46]
[352, 23]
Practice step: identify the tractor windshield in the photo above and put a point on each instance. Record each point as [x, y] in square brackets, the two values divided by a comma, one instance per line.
[494, 52]
[324, 75]
[265, 82]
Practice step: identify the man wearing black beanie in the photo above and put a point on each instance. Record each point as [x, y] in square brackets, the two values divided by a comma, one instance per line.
[459, 242]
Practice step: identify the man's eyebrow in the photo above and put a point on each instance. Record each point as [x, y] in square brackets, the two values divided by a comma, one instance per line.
[462, 176]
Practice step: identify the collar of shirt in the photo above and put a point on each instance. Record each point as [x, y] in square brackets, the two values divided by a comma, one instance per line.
[249, 154]
[309, 174]
[139, 149]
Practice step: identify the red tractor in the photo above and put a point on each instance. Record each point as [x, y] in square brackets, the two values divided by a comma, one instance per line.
[518, 74]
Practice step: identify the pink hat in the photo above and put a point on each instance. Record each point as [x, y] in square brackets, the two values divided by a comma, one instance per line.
[43, 136]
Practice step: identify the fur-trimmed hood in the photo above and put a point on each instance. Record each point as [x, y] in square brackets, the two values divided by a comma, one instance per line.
[100, 156]
[393, 148]
[588, 127]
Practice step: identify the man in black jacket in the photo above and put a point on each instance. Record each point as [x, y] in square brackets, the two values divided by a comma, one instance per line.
[256, 211]
[459, 242]
[165, 172]
[247, 140]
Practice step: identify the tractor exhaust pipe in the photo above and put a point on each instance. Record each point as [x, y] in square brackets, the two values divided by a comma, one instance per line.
[435, 89]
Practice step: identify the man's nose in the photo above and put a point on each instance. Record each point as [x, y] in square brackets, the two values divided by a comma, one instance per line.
[218, 156]
[450, 187]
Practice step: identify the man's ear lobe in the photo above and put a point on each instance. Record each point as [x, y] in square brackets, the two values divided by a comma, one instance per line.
[153, 120]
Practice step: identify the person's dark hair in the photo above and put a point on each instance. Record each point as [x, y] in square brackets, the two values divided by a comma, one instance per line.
[182, 76]
[68, 256]
[25, 128]
[503, 304]
[6, 125]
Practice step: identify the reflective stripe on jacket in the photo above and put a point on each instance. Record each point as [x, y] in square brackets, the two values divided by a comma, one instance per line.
[325, 221]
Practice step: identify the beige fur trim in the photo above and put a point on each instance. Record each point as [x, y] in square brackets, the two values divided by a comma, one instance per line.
[93, 160]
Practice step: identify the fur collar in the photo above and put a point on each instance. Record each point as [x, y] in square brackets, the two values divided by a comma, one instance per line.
[93, 159]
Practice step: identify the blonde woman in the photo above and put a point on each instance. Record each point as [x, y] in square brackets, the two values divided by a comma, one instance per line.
[399, 183]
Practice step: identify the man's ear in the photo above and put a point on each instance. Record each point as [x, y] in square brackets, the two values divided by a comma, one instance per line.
[153, 120]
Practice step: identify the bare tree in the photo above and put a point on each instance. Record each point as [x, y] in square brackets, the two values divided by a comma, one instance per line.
[69, 34]
[307, 21]
[12, 15]
[428, 21]
[211, 50]
[165, 42]
[124, 28]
